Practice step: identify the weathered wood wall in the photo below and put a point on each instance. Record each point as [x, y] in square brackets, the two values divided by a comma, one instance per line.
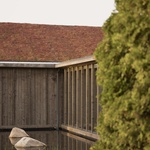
[80, 103]
[64, 95]
[53, 139]
[28, 97]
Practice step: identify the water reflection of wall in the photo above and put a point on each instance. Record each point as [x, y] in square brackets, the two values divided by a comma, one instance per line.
[4, 141]
[54, 140]
[72, 142]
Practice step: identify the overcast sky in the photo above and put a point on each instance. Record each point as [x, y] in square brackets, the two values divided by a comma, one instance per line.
[56, 12]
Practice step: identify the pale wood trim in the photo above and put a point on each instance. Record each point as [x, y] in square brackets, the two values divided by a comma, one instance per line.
[75, 61]
[80, 132]
[83, 104]
[87, 98]
[73, 97]
[92, 97]
[69, 97]
[77, 97]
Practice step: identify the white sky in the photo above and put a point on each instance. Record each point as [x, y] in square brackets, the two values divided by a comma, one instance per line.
[56, 12]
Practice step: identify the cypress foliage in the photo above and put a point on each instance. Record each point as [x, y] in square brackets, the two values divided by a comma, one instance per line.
[123, 59]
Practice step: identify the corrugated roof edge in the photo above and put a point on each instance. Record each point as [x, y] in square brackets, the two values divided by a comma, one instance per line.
[47, 64]
[28, 64]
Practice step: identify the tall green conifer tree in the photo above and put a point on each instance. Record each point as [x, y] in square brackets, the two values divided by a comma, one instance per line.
[123, 59]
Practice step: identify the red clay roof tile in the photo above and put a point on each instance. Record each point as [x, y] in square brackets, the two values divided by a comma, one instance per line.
[33, 42]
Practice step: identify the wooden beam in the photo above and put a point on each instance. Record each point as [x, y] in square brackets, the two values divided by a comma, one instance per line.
[76, 61]
[77, 97]
[88, 112]
[73, 97]
[8, 127]
[80, 132]
[92, 97]
[69, 97]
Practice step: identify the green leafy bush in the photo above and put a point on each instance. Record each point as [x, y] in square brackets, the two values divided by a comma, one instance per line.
[123, 59]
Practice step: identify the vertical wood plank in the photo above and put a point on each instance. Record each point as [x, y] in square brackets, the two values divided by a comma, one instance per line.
[51, 112]
[69, 97]
[83, 97]
[18, 106]
[61, 96]
[65, 96]
[73, 97]
[53, 100]
[43, 98]
[49, 97]
[29, 98]
[77, 97]
[25, 96]
[7, 101]
[87, 98]
[33, 98]
[92, 97]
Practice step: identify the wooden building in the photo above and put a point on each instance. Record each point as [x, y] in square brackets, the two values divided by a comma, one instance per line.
[40, 87]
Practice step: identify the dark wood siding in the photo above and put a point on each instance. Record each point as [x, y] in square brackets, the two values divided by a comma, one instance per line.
[28, 97]
[63, 96]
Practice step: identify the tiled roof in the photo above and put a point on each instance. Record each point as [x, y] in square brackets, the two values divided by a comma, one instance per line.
[34, 42]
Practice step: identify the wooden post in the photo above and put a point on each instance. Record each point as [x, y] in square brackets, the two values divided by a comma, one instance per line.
[69, 97]
[83, 98]
[92, 96]
[65, 96]
[88, 115]
[77, 97]
[73, 97]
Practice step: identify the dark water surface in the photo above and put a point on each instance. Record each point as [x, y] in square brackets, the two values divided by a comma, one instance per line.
[55, 140]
